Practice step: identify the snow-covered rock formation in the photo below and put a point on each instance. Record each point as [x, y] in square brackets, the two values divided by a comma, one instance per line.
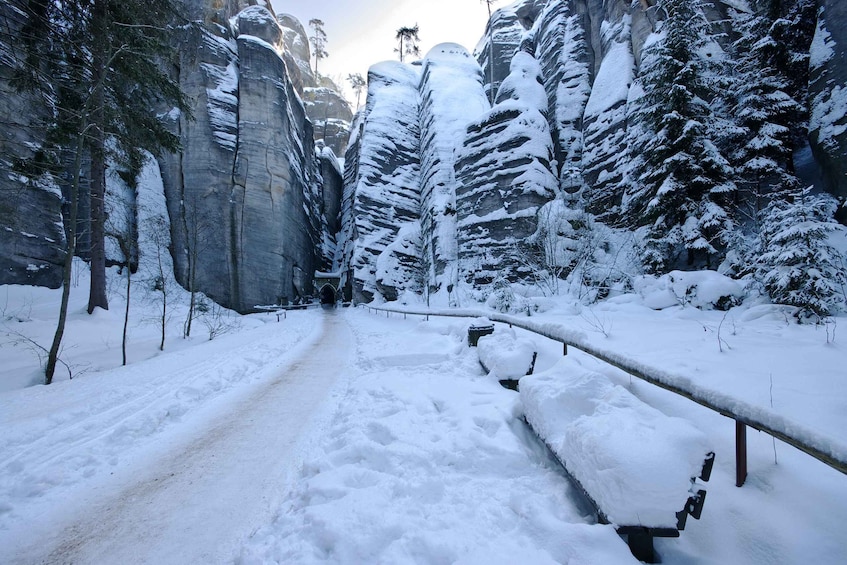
[503, 35]
[828, 64]
[451, 95]
[247, 183]
[562, 50]
[32, 239]
[382, 179]
[326, 107]
[253, 208]
[400, 186]
[504, 173]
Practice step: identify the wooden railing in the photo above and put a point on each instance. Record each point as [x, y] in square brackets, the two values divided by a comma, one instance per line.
[745, 416]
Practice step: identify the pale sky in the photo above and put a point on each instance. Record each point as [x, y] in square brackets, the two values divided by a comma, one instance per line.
[361, 32]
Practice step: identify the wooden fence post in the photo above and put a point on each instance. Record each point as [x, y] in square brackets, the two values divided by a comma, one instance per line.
[740, 453]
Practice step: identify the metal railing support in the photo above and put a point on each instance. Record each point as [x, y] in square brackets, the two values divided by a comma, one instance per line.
[740, 453]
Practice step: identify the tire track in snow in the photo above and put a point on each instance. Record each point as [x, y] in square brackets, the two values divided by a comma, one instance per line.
[199, 500]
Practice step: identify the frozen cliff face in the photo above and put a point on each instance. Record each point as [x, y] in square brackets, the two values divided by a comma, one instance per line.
[605, 120]
[32, 239]
[297, 53]
[506, 28]
[562, 50]
[247, 183]
[330, 114]
[273, 199]
[382, 178]
[504, 174]
[328, 110]
[828, 93]
[451, 95]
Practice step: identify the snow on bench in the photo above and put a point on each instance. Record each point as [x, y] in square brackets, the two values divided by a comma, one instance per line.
[636, 464]
[507, 357]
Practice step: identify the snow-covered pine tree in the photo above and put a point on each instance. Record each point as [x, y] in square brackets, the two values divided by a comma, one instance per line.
[797, 264]
[792, 26]
[765, 116]
[680, 185]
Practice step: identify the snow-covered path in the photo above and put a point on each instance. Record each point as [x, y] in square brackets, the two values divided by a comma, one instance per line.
[199, 500]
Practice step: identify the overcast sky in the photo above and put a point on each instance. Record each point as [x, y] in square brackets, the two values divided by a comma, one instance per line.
[361, 32]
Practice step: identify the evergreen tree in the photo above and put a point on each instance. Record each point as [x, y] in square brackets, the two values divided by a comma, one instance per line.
[408, 39]
[792, 27]
[318, 41]
[765, 115]
[680, 185]
[358, 84]
[797, 265]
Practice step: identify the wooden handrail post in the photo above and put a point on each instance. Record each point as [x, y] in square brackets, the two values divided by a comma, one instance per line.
[740, 453]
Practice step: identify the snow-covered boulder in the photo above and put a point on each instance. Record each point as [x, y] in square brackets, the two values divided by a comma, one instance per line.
[635, 462]
[505, 355]
[259, 22]
[706, 290]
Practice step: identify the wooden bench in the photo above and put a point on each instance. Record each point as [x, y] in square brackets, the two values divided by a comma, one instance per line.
[504, 354]
[637, 467]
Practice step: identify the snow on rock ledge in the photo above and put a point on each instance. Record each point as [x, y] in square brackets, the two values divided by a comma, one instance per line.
[635, 462]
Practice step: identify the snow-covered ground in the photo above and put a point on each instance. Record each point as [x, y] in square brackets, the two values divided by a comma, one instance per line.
[411, 453]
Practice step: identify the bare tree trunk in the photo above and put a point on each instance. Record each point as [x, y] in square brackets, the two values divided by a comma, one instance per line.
[53, 355]
[97, 295]
[126, 311]
[164, 297]
[125, 242]
[192, 268]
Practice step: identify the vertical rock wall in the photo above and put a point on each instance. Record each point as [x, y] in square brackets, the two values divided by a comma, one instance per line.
[605, 120]
[563, 53]
[274, 241]
[247, 181]
[32, 238]
[828, 94]
[451, 96]
[505, 174]
[382, 180]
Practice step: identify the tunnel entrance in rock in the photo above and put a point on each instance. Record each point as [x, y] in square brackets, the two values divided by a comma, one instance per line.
[328, 296]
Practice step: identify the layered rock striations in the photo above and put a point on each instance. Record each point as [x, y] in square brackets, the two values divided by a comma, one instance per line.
[247, 185]
[828, 94]
[451, 96]
[563, 52]
[605, 120]
[326, 107]
[503, 36]
[382, 178]
[504, 174]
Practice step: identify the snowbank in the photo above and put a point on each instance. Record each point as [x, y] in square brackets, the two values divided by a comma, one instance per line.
[706, 290]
